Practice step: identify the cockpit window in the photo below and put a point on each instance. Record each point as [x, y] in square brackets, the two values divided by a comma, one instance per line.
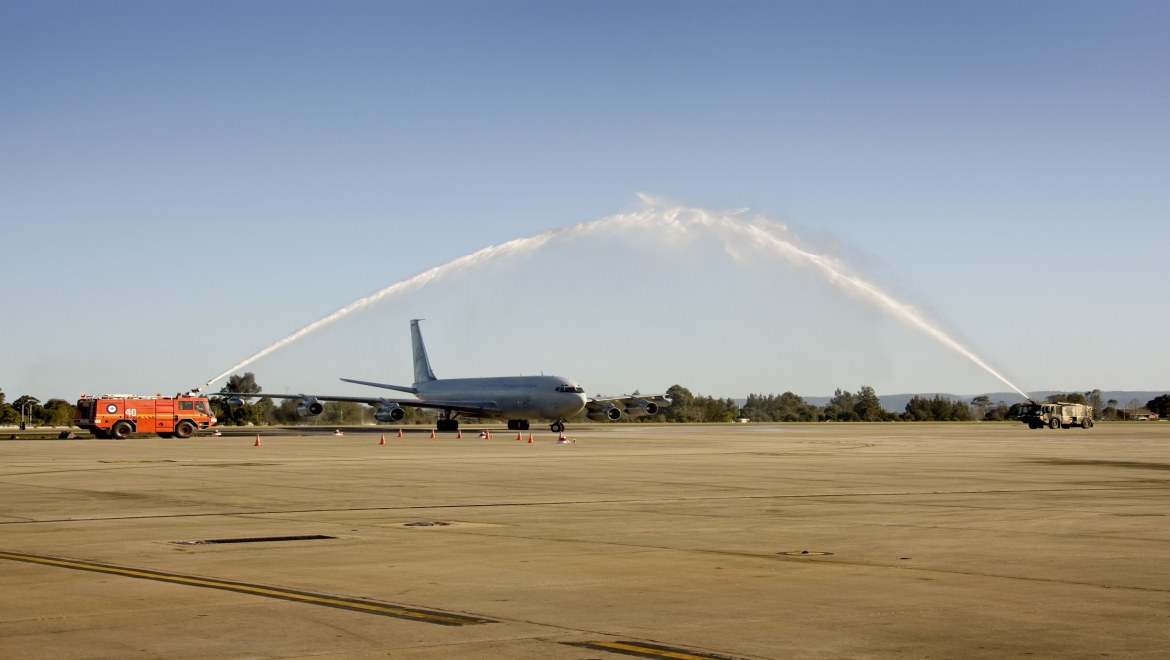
[575, 389]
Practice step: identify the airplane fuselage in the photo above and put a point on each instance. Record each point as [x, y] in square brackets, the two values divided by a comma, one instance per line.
[516, 399]
[510, 397]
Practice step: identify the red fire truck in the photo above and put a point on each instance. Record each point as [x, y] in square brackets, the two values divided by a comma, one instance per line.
[119, 415]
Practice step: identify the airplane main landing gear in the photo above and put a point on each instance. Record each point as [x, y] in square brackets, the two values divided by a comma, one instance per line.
[557, 426]
[444, 424]
[517, 425]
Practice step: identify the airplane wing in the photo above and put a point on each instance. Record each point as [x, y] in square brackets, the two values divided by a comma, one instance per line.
[633, 405]
[471, 408]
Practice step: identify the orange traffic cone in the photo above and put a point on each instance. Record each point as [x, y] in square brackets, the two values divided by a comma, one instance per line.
[529, 438]
[432, 434]
[519, 436]
[459, 434]
[257, 440]
[400, 433]
[383, 440]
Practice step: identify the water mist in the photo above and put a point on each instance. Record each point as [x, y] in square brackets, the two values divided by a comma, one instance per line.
[730, 228]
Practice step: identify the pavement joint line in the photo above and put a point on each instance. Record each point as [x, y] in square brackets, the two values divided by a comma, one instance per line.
[647, 650]
[488, 505]
[352, 604]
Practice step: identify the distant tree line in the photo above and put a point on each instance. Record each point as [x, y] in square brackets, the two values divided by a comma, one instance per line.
[30, 410]
[845, 406]
[686, 407]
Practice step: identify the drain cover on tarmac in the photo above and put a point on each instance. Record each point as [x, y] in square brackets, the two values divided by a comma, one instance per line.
[805, 553]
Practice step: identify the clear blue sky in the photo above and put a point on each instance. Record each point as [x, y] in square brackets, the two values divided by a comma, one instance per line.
[183, 183]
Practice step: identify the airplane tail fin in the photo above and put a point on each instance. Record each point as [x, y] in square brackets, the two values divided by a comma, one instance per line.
[422, 365]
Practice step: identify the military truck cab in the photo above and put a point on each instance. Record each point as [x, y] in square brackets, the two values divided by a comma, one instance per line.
[1058, 415]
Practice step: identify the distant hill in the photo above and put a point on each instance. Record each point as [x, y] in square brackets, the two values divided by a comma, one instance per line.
[897, 402]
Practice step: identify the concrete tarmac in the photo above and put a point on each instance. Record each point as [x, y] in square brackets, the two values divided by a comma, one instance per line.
[735, 541]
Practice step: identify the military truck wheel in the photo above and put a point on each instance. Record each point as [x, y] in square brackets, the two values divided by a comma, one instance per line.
[121, 430]
[184, 429]
[1054, 423]
[1087, 424]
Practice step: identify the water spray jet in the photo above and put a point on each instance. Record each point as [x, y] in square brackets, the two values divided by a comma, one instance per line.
[730, 227]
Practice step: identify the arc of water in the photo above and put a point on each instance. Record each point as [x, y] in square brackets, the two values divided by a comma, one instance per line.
[513, 247]
[900, 310]
[409, 284]
[675, 220]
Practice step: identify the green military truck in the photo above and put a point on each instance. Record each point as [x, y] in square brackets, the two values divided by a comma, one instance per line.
[1058, 415]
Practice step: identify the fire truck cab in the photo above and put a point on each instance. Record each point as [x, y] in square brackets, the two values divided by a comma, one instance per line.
[119, 415]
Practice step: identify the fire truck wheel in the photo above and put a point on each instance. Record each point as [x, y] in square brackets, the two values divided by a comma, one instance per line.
[184, 429]
[121, 430]
[1054, 423]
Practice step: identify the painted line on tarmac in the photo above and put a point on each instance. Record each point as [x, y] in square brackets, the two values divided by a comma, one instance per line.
[647, 650]
[352, 604]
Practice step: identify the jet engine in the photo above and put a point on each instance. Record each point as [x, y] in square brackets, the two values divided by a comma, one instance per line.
[389, 412]
[641, 408]
[608, 412]
[310, 407]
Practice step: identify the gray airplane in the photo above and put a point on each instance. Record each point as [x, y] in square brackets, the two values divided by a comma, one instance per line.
[513, 398]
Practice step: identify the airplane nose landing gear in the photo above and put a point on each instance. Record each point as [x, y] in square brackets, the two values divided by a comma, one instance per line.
[557, 426]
